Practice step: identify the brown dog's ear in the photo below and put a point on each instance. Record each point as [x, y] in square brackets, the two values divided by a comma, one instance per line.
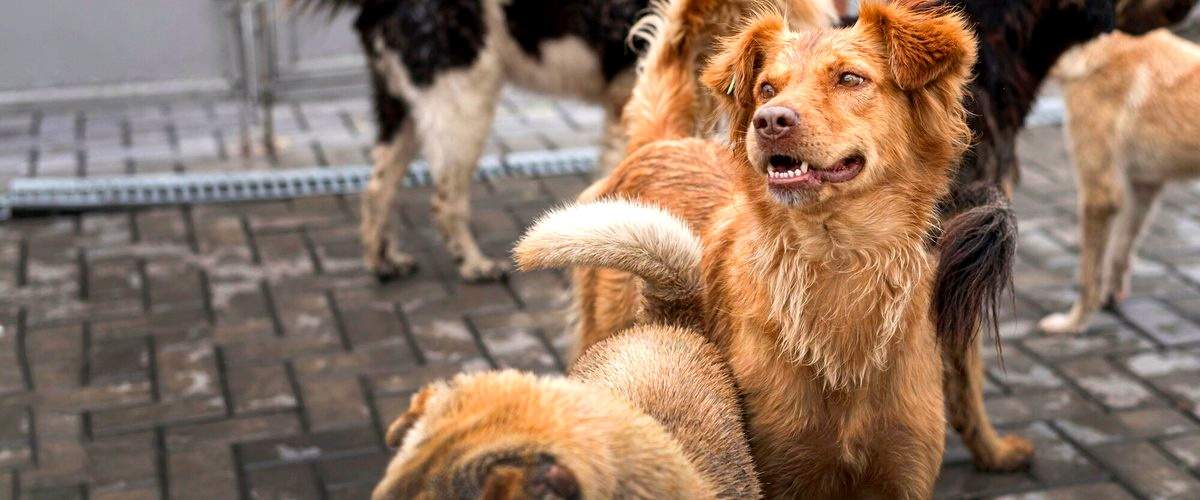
[416, 409]
[921, 44]
[731, 73]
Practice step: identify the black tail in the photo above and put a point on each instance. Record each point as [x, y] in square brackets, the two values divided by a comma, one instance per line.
[975, 254]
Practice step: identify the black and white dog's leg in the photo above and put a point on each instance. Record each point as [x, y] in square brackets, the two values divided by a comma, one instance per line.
[453, 116]
[394, 150]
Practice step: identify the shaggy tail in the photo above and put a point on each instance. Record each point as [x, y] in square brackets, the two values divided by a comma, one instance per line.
[665, 100]
[639, 239]
[975, 253]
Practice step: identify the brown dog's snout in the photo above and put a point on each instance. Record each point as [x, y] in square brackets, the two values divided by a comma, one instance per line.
[773, 122]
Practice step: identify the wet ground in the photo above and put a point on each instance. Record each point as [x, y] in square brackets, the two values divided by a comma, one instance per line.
[234, 350]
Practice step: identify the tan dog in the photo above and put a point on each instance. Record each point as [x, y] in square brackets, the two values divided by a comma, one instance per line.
[649, 413]
[1131, 124]
[810, 261]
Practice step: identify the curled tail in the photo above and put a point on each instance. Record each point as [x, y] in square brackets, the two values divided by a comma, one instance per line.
[640, 239]
[975, 254]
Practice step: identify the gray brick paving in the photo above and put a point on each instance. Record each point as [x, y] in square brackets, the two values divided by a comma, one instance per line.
[242, 351]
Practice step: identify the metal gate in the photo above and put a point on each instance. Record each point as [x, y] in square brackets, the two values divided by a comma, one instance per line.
[73, 52]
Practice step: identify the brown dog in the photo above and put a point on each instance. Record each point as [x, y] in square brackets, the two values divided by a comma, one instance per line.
[810, 271]
[1131, 104]
[649, 413]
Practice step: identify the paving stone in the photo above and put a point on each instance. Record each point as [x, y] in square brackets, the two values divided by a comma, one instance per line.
[1160, 322]
[122, 420]
[297, 481]
[1097, 428]
[1148, 471]
[121, 462]
[334, 403]
[1022, 373]
[120, 359]
[1057, 403]
[243, 349]
[260, 388]
[188, 370]
[350, 472]
[1105, 383]
[202, 472]
[1186, 449]
[1093, 491]
[231, 430]
[1098, 340]
[310, 447]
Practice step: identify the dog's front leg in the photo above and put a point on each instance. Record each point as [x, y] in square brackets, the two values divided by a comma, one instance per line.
[963, 383]
[453, 116]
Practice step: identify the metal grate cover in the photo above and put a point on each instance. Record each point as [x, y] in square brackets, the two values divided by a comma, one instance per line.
[65, 194]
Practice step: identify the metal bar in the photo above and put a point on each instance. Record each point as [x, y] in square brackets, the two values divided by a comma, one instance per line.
[75, 194]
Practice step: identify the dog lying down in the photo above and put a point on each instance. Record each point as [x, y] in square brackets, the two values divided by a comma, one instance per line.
[1131, 126]
[649, 413]
[798, 247]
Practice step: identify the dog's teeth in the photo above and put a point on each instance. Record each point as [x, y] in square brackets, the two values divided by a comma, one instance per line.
[804, 167]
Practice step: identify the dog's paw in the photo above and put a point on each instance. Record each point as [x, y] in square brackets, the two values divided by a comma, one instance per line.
[392, 266]
[1013, 453]
[478, 271]
[1060, 323]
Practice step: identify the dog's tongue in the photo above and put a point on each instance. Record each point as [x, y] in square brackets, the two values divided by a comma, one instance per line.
[843, 170]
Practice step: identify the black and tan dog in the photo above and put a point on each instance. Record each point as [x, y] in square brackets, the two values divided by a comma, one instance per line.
[649, 413]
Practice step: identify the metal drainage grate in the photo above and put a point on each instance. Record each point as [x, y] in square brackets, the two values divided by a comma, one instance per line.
[59, 194]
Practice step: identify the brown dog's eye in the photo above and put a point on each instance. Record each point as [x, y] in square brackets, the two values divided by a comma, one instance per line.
[850, 80]
[767, 91]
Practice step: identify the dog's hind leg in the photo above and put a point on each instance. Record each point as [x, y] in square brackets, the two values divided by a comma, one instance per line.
[963, 384]
[1100, 198]
[1141, 203]
[394, 149]
[453, 116]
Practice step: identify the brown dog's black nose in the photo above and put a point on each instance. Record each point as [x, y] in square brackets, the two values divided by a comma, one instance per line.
[773, 122]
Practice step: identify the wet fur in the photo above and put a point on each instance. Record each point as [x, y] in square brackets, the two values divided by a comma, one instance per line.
[827, 326]
[649, 413]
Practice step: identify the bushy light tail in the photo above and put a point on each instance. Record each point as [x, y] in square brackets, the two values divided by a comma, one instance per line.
[640, 239]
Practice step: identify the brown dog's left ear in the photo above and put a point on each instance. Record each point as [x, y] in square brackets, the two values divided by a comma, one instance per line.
[921, 44]
[731, 73]
[416, 409]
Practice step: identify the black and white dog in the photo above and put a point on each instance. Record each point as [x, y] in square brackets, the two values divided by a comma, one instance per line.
[437, 67]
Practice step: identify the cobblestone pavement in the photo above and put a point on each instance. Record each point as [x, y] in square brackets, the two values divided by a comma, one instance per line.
[241, 350]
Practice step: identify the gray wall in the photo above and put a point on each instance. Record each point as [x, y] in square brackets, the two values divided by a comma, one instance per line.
[67, 49]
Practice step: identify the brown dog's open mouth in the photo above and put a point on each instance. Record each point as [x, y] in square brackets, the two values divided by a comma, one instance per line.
[791, 172]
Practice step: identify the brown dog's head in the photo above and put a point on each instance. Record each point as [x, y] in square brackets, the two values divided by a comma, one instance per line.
[507, 434]
[830, 113]
[474, 437]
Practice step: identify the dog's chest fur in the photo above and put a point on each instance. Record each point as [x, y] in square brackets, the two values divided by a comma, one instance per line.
[564, 46]
[821, 349]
